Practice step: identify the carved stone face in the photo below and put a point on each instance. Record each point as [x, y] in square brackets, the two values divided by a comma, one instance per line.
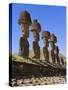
[25, 30]
[24, 18]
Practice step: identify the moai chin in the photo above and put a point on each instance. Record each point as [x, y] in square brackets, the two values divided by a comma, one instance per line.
[45, 37]
[24, 21]
[36, 29]
[52, 41]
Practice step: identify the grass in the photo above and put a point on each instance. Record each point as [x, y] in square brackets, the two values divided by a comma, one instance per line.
[21, 59]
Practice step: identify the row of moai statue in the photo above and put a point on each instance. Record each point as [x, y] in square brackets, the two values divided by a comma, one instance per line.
[35, 27]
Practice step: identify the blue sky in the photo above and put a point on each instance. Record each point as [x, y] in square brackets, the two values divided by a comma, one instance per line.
[51, 18]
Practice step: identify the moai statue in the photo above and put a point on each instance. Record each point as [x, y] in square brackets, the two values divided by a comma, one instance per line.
[24, 21]
[45, 37]
[52, 41]
[36, 29]
[57, 54]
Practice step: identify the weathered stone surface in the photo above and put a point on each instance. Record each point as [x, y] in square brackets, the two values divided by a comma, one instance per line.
[45, 37]
[35, 26]
[46, 34]
[24, 47]
[53, 56]
[52, 41]
[35, 29]
[24, 21]
[24, 18]
[36, 49]
[46, 54]
[57, 55]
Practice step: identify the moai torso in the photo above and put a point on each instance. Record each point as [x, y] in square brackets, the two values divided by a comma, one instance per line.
[24, 21]
[24, 47]
[52, 41]
[36, 37]
[45, 37]
[57, 54]
[25, 30]
[36, 28]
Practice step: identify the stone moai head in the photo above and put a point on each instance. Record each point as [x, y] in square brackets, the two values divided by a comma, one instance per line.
[52, 41]
[24, 21]
[45, 37]
[35, 29]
